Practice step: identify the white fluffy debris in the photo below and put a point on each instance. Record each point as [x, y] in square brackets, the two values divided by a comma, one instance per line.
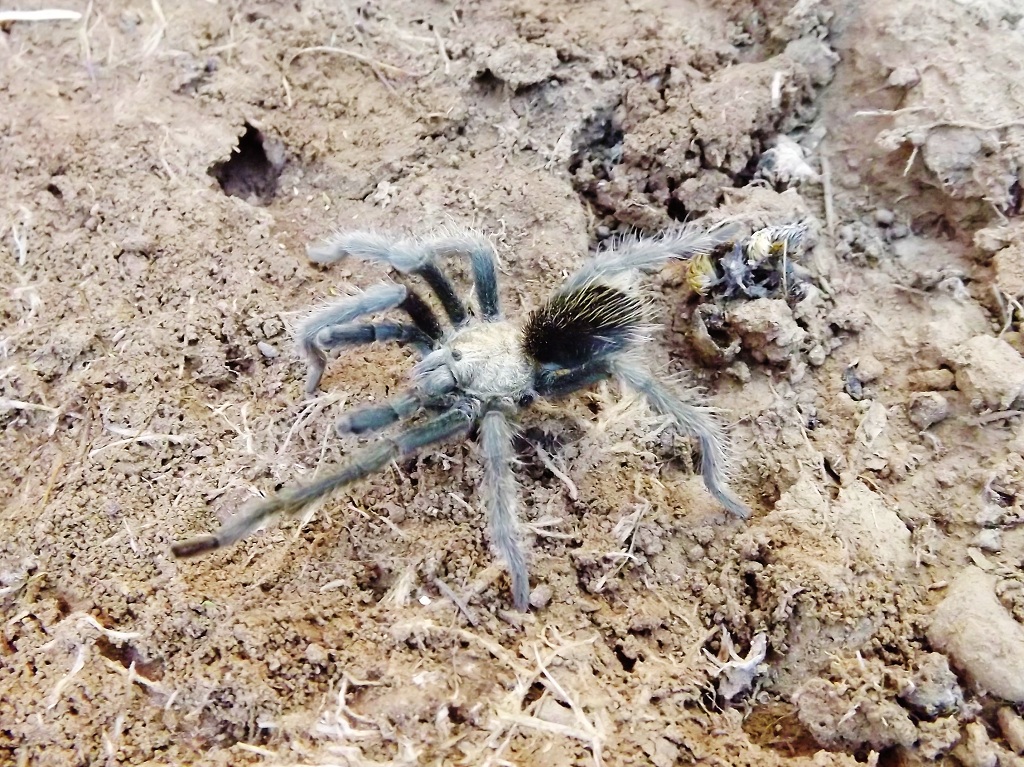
[785, 165]
[736, 674]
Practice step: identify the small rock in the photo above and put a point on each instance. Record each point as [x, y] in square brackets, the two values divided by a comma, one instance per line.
[396, 513]
[989, 372]
[927, 409]
[316, 654]
[884, 217]
[768, 329]
[904, 77]
[267, 350]
[973, 628]
[933, 689]
[852, 384]
[975, 750]
[587, 605]
[869, 369]
[994, 239]
[740, 371]
[988, 539]
[898, 231]
[784, 164]
[936, 739]
[838, 718]
[816, 356]
[520, 63]
[813, 56]
[662, 752]
[550, 710]
[540, 597]
[1012, 727]
[1009, 266]
[931, 380]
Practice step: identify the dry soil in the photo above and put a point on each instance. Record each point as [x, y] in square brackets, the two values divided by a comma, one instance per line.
[164, 167]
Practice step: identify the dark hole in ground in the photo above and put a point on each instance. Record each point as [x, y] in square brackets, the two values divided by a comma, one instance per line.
[776, 726]
[253, 169]
[598, 149]
[126, 655]
[627, 662]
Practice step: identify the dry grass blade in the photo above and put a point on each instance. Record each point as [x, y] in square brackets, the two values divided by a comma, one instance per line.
[49, 14]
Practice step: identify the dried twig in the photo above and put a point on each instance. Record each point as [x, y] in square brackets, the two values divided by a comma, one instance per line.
[146, 438]
[17, 404]
[352, 55]
[549, 464]
[49, 14]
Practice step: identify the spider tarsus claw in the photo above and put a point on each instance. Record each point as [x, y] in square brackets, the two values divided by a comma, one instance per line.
[737, 509]
[195, 546]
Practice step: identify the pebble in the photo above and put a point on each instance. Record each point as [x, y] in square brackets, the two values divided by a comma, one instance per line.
[884, 217]
[540, 597]
[267, 350]
[1012, 727]
[931, 380]
[933, 689]
[899, 231]
[988, 539]
[989, 372]
[1009, 269]
[869, 369]
[316, 654]
[904, 77]
[927, 409]
[975, 750]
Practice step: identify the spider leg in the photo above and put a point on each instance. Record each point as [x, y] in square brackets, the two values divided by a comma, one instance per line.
[560, 382]
[419, 312]
[375, 418]
[693, 420]
[407, 256]
[376, 299]
[427, 391]
[365, 462]
[501, 499]
[484, 263]
[338, 336]
[650, 253]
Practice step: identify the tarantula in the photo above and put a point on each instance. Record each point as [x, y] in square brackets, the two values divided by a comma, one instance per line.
[485, 368]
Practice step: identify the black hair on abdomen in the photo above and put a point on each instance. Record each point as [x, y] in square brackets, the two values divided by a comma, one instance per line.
[574, 327]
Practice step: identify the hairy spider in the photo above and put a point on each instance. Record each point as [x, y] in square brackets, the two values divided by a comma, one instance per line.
[483, 369]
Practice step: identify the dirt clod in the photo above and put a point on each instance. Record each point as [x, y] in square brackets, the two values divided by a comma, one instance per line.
[926, 409]
[980, 636]
[989, 372]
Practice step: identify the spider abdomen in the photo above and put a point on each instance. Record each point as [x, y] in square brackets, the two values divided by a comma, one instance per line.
[578, 325]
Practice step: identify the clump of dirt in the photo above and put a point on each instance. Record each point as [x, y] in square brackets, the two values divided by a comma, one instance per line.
[165, 168]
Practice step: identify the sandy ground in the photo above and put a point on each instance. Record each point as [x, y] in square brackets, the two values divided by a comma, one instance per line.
[164, 167]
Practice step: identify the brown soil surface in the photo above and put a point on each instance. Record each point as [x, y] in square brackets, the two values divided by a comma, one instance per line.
[165, 165]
